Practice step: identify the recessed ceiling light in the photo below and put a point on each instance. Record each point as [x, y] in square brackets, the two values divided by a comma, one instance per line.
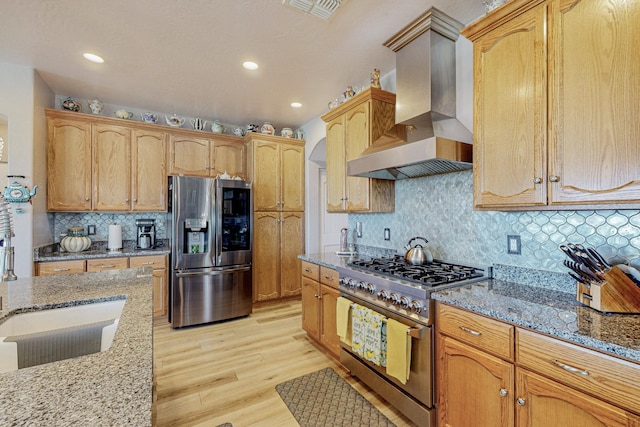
[296, 105]
[249, 65]
[93, 58]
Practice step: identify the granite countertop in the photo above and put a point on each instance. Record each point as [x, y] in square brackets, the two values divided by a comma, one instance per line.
[109, 388]
[551, 310]
[97, 250]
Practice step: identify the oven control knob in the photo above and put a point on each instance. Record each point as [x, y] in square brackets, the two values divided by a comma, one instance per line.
[371, 288]
[362, 285]
[395, 299]
[384, 295]
[344, 281]
[353, 283]
[404, 302]
[416, 306]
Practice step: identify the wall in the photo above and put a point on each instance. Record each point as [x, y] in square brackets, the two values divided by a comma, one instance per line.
[23, 96]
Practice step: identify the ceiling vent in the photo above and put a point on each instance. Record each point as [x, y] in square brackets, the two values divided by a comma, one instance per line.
[323, 9]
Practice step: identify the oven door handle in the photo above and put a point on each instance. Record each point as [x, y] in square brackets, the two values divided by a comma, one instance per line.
[417, 333]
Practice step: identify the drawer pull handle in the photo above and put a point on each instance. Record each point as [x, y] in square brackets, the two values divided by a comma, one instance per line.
[503, 392]
[307, 270]
[61, 269]
[107, 266]
[329, 278]
[470, 331]
[569, 368]
[147, 263]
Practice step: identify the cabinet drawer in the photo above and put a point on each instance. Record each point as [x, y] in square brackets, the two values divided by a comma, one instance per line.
[329, 277]
[489, 335]
[600, 375]
[310, 270]
[155, 261]
[60, 267]
[103, 264]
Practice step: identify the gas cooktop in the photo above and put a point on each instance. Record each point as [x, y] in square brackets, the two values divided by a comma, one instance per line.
[432, 274]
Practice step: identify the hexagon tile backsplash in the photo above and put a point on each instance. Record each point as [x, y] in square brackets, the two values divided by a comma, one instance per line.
[440, 208]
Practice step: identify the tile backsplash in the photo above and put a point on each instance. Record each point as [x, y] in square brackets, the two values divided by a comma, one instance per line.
[62, 221]
[440, 208]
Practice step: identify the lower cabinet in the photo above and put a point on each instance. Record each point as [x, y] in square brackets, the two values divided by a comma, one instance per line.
[278, 239]
[159, 263]
[319, 296]
[527, 380]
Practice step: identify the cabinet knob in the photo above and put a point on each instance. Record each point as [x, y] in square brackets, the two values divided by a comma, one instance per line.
[126, 200]
[537, 180]
[503, 392]
[135, 200]
[86, 199]
[521, 401]
[554, 178]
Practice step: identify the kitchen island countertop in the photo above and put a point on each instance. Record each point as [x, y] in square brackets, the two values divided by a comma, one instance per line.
[544, 310]
[108, 388]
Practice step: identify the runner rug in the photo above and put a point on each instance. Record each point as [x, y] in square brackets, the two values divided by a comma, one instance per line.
[323, 398]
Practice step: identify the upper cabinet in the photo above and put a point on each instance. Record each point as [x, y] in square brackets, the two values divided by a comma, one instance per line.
[193, 155]
[351, 128]
[277, 172]
[100, 164]
[555, 90]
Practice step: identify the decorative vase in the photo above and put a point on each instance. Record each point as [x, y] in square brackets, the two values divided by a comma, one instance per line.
[286, 132]
[75, 240]
[267, 129]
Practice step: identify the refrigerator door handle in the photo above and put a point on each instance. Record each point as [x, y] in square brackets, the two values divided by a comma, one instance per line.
[213, 272]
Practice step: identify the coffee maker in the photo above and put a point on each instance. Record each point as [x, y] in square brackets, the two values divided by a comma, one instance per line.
[146, 234]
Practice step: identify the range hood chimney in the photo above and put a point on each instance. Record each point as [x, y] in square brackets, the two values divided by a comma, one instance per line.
[427, 138]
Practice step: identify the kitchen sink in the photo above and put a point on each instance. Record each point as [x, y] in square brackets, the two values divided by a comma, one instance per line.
[44, 336]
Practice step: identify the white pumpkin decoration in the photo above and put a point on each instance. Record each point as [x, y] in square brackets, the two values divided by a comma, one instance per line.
[75, 240]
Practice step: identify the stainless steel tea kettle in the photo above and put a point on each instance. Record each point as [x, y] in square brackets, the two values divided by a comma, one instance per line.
[417, 255]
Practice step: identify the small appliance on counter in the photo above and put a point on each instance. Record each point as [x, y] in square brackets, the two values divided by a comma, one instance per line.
[145, 234]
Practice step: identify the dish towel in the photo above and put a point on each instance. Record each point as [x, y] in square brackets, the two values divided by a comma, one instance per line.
[398, 351]
[358, 329]
[343, 320]
[373, 336]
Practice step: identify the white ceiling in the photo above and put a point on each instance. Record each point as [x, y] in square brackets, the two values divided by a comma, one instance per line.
[185, 57]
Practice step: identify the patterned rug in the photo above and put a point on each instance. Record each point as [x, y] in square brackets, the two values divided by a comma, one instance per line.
[323, 398]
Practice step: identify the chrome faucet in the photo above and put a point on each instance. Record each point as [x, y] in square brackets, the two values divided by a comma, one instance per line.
[6, 250]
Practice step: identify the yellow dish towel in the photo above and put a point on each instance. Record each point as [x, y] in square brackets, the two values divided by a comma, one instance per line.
[343, 320]
[398, 350]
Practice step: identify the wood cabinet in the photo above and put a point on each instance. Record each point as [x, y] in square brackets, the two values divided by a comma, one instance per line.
[351, 128]
[276, 169]
[191, 154]
[533, 380]
[555, 98]
[278, 239]
[98, 164]
[159, 263]
[319, 296]
[277, 173]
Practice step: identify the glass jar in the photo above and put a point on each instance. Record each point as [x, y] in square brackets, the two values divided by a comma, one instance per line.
[75, 240]
[267, 129]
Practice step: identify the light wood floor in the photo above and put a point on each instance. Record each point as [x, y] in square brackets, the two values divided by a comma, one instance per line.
[227, 372]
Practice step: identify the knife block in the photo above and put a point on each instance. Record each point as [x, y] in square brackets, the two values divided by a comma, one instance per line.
[617, 294]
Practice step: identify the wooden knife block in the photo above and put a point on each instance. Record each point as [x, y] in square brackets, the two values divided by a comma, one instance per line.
[617, 294]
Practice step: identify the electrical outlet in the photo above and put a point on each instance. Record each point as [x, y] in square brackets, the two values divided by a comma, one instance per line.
[91, 230]
[387, 234]
[513, 244]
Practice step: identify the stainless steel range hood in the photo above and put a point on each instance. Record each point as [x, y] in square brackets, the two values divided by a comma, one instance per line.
[427, 138]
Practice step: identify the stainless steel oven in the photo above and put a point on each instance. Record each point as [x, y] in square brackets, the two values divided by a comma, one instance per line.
[402, 292]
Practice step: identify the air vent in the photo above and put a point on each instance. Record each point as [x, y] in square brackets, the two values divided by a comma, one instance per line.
[323, 9]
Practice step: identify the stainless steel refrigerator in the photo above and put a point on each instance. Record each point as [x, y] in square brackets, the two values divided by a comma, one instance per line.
[211, 222]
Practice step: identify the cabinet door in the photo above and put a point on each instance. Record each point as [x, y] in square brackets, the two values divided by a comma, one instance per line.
[68, 166]
[229, 157]
[160, 292]
[595, 99]
[266, 179]
[510, 122]
[328, 330]
[189, 156]
[471, 385]
[310, 303]
[111, 168]
[356, 141]
[292, 177]
[291, 245]
[266, 256]
[149, 170]
[543, 402]
[336, 166]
